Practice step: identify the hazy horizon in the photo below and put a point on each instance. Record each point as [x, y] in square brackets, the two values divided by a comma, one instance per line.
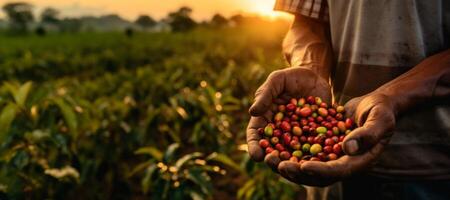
[202, 9]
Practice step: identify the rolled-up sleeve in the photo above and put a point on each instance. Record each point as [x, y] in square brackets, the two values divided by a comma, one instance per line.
[316, 9]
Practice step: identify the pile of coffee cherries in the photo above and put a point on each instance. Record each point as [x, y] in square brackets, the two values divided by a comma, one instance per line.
[306, 129]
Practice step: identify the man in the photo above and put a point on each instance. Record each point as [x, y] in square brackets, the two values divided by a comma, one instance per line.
[389, 62]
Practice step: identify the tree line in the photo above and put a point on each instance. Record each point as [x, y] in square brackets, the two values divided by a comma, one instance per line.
[20, 18]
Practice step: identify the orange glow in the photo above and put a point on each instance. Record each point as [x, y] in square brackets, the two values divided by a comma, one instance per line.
[264, 8]
[130, 9]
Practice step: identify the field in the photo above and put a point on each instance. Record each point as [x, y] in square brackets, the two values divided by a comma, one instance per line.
[152, 115]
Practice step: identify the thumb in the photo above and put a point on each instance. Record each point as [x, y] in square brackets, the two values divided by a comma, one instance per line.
[379, 125]
[265, 94]
[350, 107]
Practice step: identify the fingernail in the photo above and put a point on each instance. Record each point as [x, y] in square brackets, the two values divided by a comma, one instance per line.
[351, 146]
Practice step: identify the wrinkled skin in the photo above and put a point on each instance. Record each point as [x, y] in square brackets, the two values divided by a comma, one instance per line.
[285, 84]
[374, 114]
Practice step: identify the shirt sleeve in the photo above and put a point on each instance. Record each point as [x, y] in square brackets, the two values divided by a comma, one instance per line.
[316, 9]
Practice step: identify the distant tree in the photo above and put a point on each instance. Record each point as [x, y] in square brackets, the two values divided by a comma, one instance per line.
[129, 32]
[237, 19]
[50, 15]
[181, 20]
[19, 14]
[40, 31]
[70, 25]
[218, 20]
[112, 17]
[145, 21]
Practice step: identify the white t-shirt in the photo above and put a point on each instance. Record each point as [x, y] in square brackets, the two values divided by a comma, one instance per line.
[375, 41]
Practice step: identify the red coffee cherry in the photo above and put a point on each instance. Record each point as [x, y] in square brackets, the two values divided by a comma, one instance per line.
[263, 143]
[305, 129]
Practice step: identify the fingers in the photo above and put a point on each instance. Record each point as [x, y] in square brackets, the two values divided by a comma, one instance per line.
[322, 89]
[328, 169]
[378, 125]
[344, 166]
[255, 151]
[293, 171]
[293, 83]
[290, 170]
[350, 107]
[267, 116]
[270, 89]
[315, 173]
[272, 160]
[304, 82]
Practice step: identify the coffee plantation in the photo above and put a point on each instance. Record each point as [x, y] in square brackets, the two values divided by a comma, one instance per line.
[155, 115]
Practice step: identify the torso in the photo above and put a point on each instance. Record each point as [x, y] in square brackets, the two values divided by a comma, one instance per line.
[375, 41]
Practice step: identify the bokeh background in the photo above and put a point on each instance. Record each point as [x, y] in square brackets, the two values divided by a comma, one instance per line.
[138, 99]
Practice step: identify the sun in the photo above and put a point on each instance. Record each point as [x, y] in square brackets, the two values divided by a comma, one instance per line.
[264, 8]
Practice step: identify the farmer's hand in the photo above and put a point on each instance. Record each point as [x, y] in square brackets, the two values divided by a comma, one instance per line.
[375, 117]
[281, 85]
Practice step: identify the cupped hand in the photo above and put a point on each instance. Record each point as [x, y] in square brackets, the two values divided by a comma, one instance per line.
[280, 86]
[375, 117]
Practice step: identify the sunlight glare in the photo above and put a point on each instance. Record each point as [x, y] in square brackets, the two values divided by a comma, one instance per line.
[265, 8]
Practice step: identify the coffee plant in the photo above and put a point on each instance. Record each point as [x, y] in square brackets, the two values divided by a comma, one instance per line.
[156, 115]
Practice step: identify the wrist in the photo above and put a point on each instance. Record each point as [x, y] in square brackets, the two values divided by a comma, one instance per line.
[427, 80]
[315, 56]
[317, 68]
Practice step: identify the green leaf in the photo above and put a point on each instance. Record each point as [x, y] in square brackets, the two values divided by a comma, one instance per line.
[243, 190]
[151, 115]
[250, 192]
[222, 158]
[37, 135]
[147, 180]
[166, 189]
[195, 136]
[139, 168]
[22, 94]
[174, 135]
[19, 93]
[21, 159]
[195, 195]
[12, 87]
[8, 154]
[154, 152]
[180, 162]
[199, 178]
[37, 95]
[68, 114]
[168, 155]
[6, 117]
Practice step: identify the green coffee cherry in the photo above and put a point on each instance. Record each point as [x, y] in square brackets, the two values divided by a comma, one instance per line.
[268, 131]
[297, 153]
[321, 130]
[305, 147]
[315, 149]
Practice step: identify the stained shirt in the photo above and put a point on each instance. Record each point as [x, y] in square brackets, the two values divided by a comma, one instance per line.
[375, 41]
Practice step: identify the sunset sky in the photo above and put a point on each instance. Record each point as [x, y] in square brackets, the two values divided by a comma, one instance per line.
[130, 9]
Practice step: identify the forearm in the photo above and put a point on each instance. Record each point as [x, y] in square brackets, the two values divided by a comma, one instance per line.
[429, 79]
[307, 44]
